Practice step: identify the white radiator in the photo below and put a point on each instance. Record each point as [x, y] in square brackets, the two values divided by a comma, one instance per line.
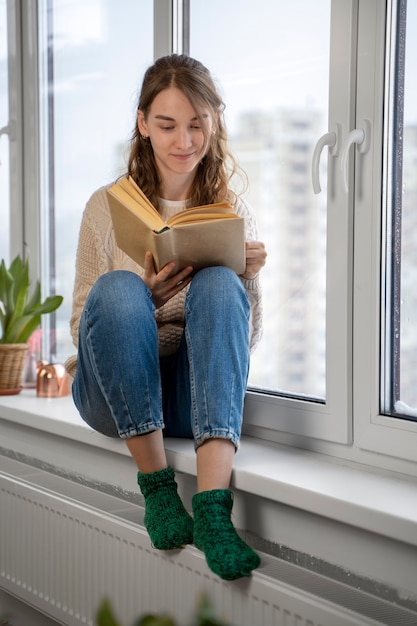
[62, 555]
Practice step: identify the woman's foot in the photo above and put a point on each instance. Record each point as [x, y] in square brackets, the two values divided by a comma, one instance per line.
[166, 520]
[226, 553]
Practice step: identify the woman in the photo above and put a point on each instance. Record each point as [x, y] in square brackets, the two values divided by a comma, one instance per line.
[168, 353]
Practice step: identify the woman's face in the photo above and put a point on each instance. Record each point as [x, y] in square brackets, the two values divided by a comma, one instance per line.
[176, 135]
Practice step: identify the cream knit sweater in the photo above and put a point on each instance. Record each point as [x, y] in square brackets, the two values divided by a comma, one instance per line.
[98, 253]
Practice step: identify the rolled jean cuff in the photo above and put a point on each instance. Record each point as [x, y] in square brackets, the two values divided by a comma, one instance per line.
[217, 434]
[143, 429]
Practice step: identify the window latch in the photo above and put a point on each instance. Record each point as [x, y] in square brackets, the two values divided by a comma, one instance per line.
[333, 140]
[362, 138]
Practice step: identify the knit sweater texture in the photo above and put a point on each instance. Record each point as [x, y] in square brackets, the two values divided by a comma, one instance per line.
[98, 254]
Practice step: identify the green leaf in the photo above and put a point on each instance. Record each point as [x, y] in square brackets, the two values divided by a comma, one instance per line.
[21, 329]
[6, 291]
[48, 306]
[155, 620]
[20, 275]
[2, 321]
[105, 615]
[35, 298]
[6, 280]
[206, 614]
[18, 305]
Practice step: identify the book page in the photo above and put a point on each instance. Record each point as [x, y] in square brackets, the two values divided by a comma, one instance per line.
[136, 192]
[219, 210]
[144, 210]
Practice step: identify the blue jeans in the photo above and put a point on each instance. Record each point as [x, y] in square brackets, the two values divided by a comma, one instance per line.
[123, 389]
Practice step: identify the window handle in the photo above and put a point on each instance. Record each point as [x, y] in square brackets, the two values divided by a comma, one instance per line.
[8, 130]
[331, 139]
[362, 138]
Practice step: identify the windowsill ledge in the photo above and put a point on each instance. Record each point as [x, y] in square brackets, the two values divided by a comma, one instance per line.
[376, 501]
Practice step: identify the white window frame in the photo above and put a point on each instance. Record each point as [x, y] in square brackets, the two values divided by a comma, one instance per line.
[15, 126]
[373, 431]
[331, 421]
[24, 137]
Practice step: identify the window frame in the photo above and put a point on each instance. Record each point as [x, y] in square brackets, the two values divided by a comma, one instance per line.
[332, 420]
[15, 54]
[374, 431]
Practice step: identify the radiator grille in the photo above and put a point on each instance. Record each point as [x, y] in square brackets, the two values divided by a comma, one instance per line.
[63, 556]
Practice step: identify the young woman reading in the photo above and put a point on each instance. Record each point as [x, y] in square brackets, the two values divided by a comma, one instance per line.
[167, 353]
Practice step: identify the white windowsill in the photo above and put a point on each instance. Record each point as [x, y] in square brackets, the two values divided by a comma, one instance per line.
[376, 501]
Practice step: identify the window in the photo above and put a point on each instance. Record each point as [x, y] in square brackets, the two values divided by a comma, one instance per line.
[383, 262]
[282, 78]
[275, 78]
[91, 66]
[304, 83]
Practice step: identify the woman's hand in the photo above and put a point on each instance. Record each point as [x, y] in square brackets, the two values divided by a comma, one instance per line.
[164, 284]
[255, 258]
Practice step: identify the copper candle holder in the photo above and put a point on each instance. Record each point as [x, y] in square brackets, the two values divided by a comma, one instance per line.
[52, 381]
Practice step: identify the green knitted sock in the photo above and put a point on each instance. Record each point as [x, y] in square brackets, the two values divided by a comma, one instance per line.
[226, 553]
[166, 520]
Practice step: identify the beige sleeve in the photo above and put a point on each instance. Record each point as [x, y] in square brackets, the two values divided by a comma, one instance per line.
[253, 285]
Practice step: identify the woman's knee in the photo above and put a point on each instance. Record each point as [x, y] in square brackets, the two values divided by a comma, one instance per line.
[215, 275]
[120, 291]
[115, 285]
[218, 284]
[217, 279]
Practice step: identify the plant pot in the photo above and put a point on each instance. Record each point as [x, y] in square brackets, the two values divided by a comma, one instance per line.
[12, 362]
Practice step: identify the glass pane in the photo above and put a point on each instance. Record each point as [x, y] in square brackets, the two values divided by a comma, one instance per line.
[92, 62]
[400, 382]
[273, 67]
[4, 138]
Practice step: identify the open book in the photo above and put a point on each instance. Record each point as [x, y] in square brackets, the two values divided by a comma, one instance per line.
[200, 236]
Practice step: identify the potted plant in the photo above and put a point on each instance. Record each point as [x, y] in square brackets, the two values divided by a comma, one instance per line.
[20, 316]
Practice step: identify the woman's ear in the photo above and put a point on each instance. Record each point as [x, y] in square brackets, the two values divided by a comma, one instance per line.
[142, 126]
